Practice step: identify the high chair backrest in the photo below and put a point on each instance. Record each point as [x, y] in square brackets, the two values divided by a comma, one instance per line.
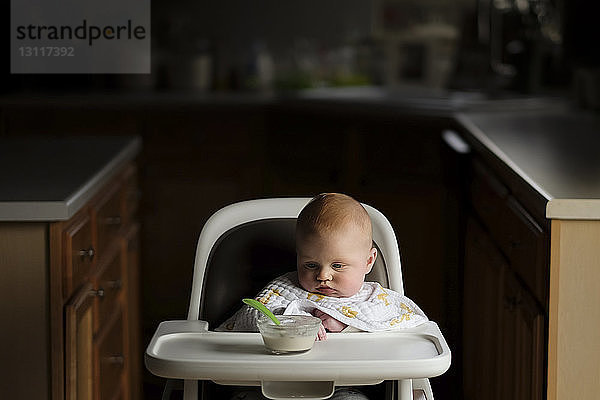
[245, 245]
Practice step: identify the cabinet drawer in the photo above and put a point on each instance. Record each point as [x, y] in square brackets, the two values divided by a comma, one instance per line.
[108, 284]
[110, 361]
[109, 218]
[79, 253]
[524, 243]
[488, 195]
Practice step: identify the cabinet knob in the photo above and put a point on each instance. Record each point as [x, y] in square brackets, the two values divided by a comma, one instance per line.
[89, 253]
[99, 293]
[118, 360]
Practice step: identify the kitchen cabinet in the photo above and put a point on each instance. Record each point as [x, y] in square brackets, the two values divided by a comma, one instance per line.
[505, 290]
[97, 252]
[543, 211]
[483, 266]
[503, 326]
[70, 286]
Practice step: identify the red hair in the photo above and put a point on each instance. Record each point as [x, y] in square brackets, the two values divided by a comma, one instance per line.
[329, 212]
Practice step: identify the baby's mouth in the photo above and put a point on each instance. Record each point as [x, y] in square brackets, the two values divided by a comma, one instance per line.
[325, 290]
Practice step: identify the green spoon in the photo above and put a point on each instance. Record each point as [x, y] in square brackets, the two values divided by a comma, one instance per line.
[260, 307]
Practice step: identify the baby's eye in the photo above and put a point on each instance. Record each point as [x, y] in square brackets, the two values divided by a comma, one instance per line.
[311, 266]
[337, 265]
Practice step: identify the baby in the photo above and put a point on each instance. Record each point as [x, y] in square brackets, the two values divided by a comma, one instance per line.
[334, 247]
[335, 251]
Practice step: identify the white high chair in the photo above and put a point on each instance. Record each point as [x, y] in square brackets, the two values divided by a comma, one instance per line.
[241, 248]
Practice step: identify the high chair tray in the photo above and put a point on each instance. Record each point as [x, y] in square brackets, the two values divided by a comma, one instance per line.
[188, 350]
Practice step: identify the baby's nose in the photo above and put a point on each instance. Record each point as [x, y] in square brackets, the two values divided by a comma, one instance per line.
[324, 274]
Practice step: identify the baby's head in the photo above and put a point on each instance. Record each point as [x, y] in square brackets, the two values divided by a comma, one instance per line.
[334, 245]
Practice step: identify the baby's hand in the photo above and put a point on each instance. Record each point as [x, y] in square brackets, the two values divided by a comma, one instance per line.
[322, 334]
[328, 323]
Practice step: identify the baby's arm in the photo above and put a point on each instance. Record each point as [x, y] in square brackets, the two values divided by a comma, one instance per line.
[328, 323]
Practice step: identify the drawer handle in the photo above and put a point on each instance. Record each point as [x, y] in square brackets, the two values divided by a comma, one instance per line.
[99, 293]
[118, 360]
[116, 220]
[90, 253]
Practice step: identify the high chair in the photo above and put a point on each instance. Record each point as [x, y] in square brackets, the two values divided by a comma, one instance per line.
[241, 248]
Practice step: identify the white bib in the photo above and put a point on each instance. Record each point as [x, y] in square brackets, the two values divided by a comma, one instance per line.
[372, 309]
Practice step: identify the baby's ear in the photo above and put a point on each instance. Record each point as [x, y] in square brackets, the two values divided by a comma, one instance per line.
[371, 259]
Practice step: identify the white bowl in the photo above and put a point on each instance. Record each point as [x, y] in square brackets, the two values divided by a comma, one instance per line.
[295, 334]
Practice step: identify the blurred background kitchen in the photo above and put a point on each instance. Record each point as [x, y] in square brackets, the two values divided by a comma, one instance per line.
[519, 46]
[252, 99]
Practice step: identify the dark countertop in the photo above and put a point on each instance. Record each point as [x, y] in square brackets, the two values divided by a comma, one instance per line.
[47, 178]
[556, 150]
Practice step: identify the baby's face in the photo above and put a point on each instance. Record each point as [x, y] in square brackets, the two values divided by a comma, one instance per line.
[334, 264]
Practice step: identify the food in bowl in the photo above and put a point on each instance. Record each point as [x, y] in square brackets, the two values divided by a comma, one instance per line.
[295, 334]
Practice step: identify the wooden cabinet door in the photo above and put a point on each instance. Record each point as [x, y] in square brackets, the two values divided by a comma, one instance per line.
[522, 358]
[110, 360]
[503, 327]
[78, 253]
[481, 315]
[79, 346]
